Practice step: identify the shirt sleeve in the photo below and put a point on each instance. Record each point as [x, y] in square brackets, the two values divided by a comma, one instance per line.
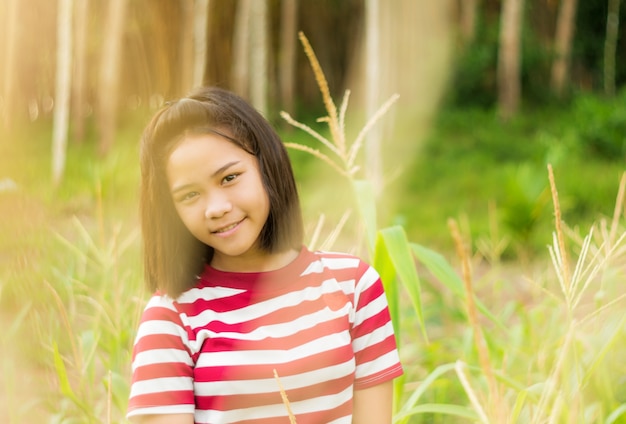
[162, 365]
[373, 339]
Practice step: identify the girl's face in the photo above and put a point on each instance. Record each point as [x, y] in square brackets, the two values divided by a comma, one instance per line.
[217, 190]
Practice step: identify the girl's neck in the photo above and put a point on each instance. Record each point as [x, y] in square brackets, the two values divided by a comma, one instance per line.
[261, 262]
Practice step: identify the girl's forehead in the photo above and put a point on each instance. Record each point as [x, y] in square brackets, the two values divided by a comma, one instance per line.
[212, 145]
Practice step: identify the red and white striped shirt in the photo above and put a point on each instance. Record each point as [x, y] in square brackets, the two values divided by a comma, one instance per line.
[321, 322]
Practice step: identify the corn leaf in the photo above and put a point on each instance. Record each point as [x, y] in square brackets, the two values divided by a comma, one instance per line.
[439, 408]
[444, 272]
[398, 250]
[366, 201]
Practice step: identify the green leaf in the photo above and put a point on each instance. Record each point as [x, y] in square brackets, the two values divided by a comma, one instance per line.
[366, 202]
[519, 404]
[443, 271]
[599, 358]
[618, 412]
[421, 389]
[384, 266]
[66, 387]
[439, 408]
[399, 251]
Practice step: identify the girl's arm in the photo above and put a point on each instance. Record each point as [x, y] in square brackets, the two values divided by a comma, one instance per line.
[163, 419]
[374, 404]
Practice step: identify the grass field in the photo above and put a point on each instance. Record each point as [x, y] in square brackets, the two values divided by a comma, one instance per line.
[524, 319]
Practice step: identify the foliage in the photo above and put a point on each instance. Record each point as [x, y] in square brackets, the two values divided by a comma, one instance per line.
[524, 373]
[589, 41]
[475, 79]
[99, 307]
[494, 173]
[553, 344]
[602, 124]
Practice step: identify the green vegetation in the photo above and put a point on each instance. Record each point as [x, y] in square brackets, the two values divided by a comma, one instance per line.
[494, 175]
[493, 327]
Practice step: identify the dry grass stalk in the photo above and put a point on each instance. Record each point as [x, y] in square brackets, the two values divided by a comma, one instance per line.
[66, 323]
[333, 120]
[331, 238]
[458, 368]
[283, 395]
[472, 313]
[318, 155]
[336, 122]
[549, 396]
[109, 396]
[564, 266]
[311, 132]
[368, 126]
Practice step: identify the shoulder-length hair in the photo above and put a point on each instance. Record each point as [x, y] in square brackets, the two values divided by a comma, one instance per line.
[173, 257]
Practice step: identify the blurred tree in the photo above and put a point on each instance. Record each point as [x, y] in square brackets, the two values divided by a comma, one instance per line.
[108, 95]
[241, 47]
[79, 74]
[186, 45]
[509, 57]
[610, 46]
[288, 39]
[62, 90]
[9, 91]
[373, 161]
[201, 12]
[565, 26]
[257, 73]
[467, 20]
[249, 73]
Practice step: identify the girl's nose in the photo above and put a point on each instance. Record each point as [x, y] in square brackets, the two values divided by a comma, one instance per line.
[217, 206]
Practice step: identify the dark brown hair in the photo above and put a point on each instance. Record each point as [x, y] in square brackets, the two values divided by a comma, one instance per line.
[173, 257]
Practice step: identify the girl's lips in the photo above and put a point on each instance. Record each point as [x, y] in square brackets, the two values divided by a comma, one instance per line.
[227, 230]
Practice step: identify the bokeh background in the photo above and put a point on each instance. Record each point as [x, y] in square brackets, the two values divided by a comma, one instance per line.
[490, 92]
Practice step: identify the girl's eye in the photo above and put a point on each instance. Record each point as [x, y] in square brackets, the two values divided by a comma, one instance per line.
[229, 178]
[187, 196]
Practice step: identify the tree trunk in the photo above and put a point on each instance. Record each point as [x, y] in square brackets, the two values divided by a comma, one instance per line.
[509, 84]
[109, 73]
[200, 30]
[257, 73]
[563, 45]
[62, 89]
[80, 64]
[467, 21]
[186, 46]
[288, 37]
[372, 93]
[610, 46]
[241, 47]
[10, 61]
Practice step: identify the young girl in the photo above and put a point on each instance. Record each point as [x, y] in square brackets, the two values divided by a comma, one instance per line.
[237, 296]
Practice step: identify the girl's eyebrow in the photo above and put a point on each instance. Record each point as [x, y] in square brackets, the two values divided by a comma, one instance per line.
[224, 168]
[213, 175]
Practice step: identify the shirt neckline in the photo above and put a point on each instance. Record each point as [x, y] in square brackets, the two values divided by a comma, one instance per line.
[265, 281]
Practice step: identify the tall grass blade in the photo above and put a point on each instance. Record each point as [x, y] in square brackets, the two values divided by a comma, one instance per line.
[440, 408]
[388, 275]
[520, 401]
[617, 413]
[421, 389]
[399, 251]
[383, 264]
[366, 201]
[64, 382]
[444, 272]
[615, 336]
[482, 417]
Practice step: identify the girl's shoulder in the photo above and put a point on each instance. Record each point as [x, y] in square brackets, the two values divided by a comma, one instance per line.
[332, 261]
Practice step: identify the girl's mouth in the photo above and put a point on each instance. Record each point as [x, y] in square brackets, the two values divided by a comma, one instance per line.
[227, 228]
